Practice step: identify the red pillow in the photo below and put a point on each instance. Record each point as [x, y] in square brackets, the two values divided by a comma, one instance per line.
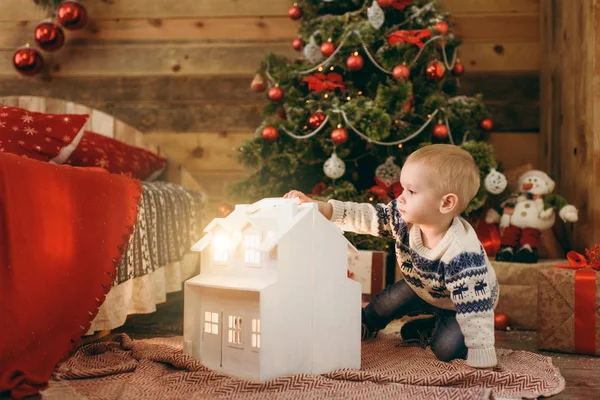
[96, 150]
[41, 136]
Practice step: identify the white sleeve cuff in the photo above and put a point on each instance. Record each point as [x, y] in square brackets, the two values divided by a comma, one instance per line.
[338, 211]
[482, 358]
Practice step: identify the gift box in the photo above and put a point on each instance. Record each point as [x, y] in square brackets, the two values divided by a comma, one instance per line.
[569, 305]
[519, 291]
[368, 268]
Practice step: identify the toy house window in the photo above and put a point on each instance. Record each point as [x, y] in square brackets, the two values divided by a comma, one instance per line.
[211, 322]
[256, 334]
[252, 249]
[220, 248]
[234, 334]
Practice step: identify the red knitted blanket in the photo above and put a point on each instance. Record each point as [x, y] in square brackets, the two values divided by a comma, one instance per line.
[62, 233]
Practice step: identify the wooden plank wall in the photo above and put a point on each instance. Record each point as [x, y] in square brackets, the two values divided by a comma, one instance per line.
[570, 110]
[179, 71]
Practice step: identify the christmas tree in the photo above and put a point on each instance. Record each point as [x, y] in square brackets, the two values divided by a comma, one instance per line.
[375, 80]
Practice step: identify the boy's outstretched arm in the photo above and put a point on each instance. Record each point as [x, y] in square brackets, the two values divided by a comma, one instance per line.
[379, 220]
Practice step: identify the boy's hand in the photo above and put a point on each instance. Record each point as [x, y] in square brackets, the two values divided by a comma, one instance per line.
[324, 208]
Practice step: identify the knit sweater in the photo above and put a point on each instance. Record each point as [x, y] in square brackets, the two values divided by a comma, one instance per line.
[455, 275]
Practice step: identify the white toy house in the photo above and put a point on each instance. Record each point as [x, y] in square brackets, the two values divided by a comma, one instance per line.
[273, 297]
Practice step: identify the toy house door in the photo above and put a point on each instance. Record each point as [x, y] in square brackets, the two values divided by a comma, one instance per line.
[212, 334]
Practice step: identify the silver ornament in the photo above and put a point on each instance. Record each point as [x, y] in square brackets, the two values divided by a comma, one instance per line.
[312, 51]
[388, 172]
[495, 182]
[376, 15]
[334, 167]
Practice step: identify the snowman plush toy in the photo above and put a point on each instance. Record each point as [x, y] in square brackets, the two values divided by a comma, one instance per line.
[526, 214]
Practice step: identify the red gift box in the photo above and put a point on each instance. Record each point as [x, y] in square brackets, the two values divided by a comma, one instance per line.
[569, 305]
[368, 268]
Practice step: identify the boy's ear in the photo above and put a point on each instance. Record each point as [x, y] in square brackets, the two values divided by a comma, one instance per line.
[449, 203]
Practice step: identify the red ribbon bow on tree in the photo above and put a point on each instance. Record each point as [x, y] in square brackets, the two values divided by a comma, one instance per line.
[320, 82]
[318, 189]
[409, 36]
[385, 192]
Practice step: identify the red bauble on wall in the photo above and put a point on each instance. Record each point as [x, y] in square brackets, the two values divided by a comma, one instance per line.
[355, 62]
[28, 61]
[435, 71]
[339, 136]
[401, 72]
[459, 69]
[49, 36]
[295, 13]
[298, 44]
[440, 131]
[316, 119]
[270, 133]
[327, 49]
[487, 124]
[275, 93]
[72, 15]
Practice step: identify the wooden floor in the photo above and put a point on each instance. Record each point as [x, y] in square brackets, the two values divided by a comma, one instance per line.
[581, 373]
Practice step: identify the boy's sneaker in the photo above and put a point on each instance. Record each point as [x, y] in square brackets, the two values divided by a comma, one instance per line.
[418, 331]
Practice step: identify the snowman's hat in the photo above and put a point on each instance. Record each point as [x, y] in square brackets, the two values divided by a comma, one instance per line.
[535, 173]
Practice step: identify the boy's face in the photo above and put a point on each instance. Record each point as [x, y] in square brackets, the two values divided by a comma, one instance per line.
[421, 200]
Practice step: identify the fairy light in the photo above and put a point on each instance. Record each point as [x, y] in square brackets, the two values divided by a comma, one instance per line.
[331, 68]
[348, 98]
[400, 146]
[326, 95]
[320, 69]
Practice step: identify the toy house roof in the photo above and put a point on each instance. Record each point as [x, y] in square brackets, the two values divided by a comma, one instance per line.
[226, 282]
[275, 215]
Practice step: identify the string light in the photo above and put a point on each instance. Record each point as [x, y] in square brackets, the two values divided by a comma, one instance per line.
[320, 69]
[331, 68]
[348, 98]
[326, 95]
[400, 146]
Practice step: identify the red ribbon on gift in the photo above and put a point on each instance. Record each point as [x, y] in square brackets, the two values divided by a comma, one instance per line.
[585, 299]
[489, 236]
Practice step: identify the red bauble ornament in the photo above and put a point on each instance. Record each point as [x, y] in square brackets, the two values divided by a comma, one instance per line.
[440, 131]
[487, 124]
[316, 119]
[501, 321]
[298, 44]
[435, 71]
[295, 13]
[442, 27]
[459, 69]
[355, 62]
[28, 61]
[258, 83]
[275, 93]
[339, 136]
[270, 133]
[401, 72]
[327, 49]
[49, 36]
[385, 3]
[71, 15]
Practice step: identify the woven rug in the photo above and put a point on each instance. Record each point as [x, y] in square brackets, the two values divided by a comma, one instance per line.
[157, 369]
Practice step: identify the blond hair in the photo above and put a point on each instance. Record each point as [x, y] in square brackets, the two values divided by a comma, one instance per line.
[454, 170]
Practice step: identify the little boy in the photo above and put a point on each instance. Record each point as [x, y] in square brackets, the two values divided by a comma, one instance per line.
[446, 270]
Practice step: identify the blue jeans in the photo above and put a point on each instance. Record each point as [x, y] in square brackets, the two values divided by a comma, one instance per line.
[399, 300]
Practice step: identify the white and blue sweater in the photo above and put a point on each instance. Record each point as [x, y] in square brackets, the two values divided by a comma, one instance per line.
[454, 275]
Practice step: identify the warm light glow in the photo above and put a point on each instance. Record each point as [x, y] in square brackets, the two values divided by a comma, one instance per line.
[320, 69]
[234, 334]
[326, 95]
[400, 146]
[211, 322]
[256, 333]
[221, 248]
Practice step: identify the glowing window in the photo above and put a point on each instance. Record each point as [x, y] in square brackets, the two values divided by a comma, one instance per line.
[211, 322]
[256, 333]
[252, 249]
[220, 248]
[234, 333]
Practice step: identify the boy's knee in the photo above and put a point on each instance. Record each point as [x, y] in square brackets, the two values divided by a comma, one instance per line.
[447, 352]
